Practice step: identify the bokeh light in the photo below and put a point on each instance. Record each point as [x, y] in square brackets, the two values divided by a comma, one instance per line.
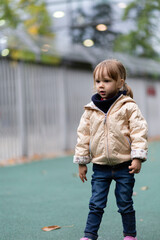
[101, 27]
[5, 52]
[122, 5]
[58, 14]
[2, 22]
[88, 43]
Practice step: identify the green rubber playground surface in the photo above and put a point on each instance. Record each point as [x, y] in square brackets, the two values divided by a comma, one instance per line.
[49, 192]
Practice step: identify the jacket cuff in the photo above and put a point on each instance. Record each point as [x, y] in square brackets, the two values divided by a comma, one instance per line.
[139, 153]
[81, 159]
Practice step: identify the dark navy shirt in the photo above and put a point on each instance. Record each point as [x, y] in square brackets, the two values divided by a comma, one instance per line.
[104, 105]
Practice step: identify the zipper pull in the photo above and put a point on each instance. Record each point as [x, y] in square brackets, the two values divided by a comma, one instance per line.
[105, 118]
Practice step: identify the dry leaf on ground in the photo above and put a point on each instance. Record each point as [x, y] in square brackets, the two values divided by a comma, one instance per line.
[50, 228]
[144, 188]
[54, 227]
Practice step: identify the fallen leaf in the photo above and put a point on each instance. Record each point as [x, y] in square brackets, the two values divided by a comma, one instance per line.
[144, 188]
[50, 228]
[54, 227]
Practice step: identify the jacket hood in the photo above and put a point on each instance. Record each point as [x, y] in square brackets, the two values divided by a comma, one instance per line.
[117, 104]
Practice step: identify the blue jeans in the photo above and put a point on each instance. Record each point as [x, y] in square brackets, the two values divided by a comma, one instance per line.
[101, 180]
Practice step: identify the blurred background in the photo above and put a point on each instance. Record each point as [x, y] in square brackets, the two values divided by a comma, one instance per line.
[48, 50]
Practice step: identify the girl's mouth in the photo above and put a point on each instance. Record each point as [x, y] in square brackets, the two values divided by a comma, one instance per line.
[102, 92]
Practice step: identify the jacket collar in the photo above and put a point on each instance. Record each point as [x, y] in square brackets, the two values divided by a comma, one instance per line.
[115, 106]
[104, 105]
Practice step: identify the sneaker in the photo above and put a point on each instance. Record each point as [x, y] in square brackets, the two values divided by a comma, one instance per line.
[85, 238]
[130, 238]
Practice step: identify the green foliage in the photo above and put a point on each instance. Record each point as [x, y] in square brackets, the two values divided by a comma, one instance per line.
[48, 59]
[145, 17]
[22, 55]
[31, 13]
[8, 13]
[34, 19]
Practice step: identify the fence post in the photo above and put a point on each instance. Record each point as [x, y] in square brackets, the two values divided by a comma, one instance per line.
[62, 109]
[21, 111]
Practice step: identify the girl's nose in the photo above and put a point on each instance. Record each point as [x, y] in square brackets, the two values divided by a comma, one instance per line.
[101, 84]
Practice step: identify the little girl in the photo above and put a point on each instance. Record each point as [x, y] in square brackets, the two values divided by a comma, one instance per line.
[112, 134]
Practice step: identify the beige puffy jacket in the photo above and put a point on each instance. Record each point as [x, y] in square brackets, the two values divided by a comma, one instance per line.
[112, 138]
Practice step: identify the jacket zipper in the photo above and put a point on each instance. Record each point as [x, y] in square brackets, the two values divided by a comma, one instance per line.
[106, 131]
[105, 120]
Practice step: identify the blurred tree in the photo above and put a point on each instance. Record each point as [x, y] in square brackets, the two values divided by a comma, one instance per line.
[84, 25]
[31, 17]
[32, 14]
[143, 40]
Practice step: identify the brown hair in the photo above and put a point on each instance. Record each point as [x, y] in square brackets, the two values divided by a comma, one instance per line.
[112, 69]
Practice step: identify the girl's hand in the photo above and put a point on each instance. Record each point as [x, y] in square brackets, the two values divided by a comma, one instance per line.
[82, 172]
[135, 166]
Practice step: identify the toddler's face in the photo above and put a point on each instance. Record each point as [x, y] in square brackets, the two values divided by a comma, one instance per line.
[107, 88]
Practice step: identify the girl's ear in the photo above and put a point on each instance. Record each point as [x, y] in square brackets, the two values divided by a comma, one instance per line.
[120, 83]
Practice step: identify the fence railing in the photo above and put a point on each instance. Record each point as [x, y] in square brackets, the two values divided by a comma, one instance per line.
[40, 107]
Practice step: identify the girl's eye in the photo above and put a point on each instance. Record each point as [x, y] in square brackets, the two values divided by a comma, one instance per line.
[97, 81]
[106, 80]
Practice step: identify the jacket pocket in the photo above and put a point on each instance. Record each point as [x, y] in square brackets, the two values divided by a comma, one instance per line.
[121, 144]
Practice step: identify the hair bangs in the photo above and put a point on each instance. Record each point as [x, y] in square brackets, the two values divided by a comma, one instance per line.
[106, 70]
[100, 72]
[112, 70]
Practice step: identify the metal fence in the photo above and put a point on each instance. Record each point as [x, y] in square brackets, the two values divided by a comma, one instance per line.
[40, 107]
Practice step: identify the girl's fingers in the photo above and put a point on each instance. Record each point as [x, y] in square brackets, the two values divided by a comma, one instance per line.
[83, 177]
[134, 171]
